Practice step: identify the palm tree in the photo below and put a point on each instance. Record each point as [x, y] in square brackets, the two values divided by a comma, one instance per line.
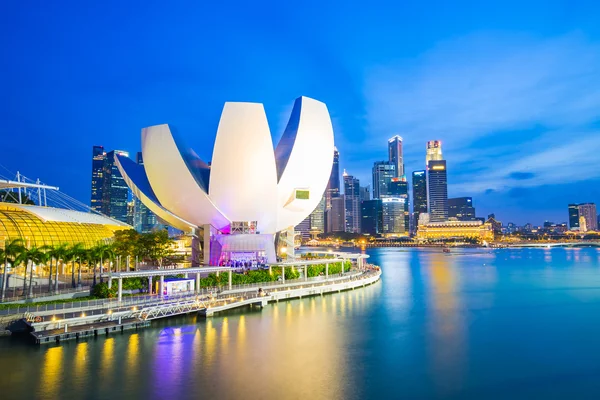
[34, 255]
[11, 253]
[71, 254]
[60, 254]
[81, 253]
[104, 251]
[92, 255]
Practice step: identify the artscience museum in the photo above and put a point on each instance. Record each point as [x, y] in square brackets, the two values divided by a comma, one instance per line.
[236, 204]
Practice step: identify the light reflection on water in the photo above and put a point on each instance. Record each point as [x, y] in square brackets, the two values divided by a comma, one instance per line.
[470, 324]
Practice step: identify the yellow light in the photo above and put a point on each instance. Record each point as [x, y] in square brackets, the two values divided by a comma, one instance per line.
[83, 314]
[134, 308]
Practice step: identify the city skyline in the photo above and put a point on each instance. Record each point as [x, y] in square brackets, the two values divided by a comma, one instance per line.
[505, 93]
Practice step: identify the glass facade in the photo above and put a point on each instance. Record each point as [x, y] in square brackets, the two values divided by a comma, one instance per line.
[352, 203]
[115, 192]
[371, 217]
[383, 172]
[419, 187]
[437, 188]
[395, 155]
[395, 217]
[98, 156]
[144, 220]
[16, 223]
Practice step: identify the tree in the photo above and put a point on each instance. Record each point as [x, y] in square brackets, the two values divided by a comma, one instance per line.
[127, 243]
[11, 253]
[157, 246]
[60, 254]
[72, 254]
[37, 256]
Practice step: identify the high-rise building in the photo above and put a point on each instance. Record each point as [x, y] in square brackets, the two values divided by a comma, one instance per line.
[333, 189]
[333, 186]
[98, 156]
[574, 216]
[371, 217]
[317, 218]
[336, 216]
[419, 184]
[304, 228]
[365, 193]
[115, 192]
[395, 216]
[434, 151]
[395, 155]
[352, 203]
[383, 172]
[437, 190]
[461, 208]
[398, 188]
[144, 220]
[131, 212]
[587, 212]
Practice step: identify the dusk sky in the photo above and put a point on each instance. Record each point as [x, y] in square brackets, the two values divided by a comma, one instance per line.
[512, 90]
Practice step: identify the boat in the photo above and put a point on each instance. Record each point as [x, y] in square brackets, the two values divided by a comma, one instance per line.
[446, 250]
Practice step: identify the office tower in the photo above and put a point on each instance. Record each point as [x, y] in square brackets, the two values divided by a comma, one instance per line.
[383, 172]
[317, 218]
[333, 189]
[395, 155]
[333, 186]
[371, 217]
[437, 187]
[434, 151]
[395, 213]
[352, 203]
[144, 220]
[365, 193]
[398, 188]
[115, 192]
[303, 228]
[461, 208]
[419, 185]
[98, 156]
[336, 216]
[574, 216]
[587, 213]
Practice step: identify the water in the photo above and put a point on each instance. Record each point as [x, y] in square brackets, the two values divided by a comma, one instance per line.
[475, 324]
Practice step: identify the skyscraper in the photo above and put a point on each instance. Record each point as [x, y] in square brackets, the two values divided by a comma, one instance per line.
[395, 155]
[98, 156]
[371, 217]
[383, 172]
[574, 216]
[587, 212]
[437, 186]
[434, 151]
[352, 203]
[115, 192]
[395, 216]
[365, 193]
[333, 189]
[144, 220]
[461, 208]
[333, 186]
[336, 218]
[419, 194]
[317, 217]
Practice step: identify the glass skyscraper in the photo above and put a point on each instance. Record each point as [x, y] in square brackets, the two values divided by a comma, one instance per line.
[98, 156]
[115, 192]
[437, 187]
[419, 182]
[144, 220]
[395, 216]
[352, 203]
[383, 172]
[371, 217]
[333, 190]
[395, 155]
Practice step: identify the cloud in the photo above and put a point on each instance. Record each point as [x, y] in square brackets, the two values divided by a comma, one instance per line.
[506, 107]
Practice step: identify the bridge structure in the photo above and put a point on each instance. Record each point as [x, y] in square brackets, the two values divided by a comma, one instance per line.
[54, 324]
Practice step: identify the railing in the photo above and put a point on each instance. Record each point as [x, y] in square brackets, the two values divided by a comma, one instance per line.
[92, 307]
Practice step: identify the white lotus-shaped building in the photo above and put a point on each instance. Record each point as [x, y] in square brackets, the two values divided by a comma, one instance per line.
[249, 191]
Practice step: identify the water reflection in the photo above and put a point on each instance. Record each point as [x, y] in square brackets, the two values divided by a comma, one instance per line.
[447, 328]
[52, 372]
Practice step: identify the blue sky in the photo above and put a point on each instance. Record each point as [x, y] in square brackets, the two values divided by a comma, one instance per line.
[512, 89]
